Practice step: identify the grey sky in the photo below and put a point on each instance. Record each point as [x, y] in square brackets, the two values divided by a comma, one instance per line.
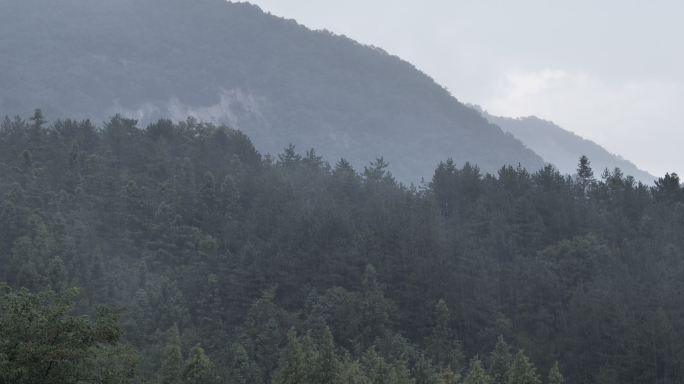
[610, 71]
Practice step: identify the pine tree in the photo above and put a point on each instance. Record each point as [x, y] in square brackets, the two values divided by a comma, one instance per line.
[522, 371]
[444, 350]
[40, 237]
[668, 188]
[261, 328]
[197, 369]
[236, 169]
[292, 368]
[207, 204]
[375, 367]
[555, 376]
[266, 348]
[230, 196]
[315, 320]
[22, 253]
[72, 178]
[138, 326]
[476, 374]
[377, 171]
[311, 354]
[57, 275]
[447, 376]
[351, 372]
[327, 368]
[376, 309]
[312, 162]
[424, 372]
[585, 175]
[242, 370]
[183, 187]
[35, 136]
[343, 167]
[98, 287]
[209, 313]
[500, 362]
[168, 304]
[401, 374]
[29, 277]
[38, 118]
[289, 158]
[170, 371]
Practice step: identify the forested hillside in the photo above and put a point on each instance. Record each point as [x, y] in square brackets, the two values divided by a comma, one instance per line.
[562, 148]
[231, 63]
[292, 269]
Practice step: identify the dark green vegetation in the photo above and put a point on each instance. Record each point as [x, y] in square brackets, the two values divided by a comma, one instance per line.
[231, 63]
[219, 252]
[562, 148]
[39, 343]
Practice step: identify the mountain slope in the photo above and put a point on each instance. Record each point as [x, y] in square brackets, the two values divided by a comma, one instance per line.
[277, 81]
[563, 148]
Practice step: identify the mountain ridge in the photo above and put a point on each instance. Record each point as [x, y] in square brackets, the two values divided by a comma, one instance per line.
[152, 59]
[562, 147]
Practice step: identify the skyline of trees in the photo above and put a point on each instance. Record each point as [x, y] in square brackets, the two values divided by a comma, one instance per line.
[189, 226]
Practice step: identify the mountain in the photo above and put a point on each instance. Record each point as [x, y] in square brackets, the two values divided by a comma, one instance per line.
[231, 63]
[563, 148]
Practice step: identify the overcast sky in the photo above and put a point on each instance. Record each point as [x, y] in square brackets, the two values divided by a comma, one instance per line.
[610, 71]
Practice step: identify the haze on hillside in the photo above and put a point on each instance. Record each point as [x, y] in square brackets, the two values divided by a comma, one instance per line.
[272, 78]
[562, 148]
[609, 71]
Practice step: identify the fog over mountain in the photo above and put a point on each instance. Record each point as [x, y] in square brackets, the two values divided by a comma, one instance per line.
[606, 71]
[231, 63]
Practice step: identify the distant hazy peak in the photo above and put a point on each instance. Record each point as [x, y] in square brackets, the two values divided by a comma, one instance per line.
[563, 148]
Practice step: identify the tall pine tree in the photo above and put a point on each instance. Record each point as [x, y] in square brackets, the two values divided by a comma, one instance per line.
[171, 370]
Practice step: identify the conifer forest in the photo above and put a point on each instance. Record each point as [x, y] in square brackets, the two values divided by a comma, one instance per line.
[178, 253]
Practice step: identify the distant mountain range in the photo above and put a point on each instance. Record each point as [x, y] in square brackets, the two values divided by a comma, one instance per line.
[231, 63]
[563, 148]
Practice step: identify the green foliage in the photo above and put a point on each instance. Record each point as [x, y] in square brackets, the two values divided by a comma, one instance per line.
[40, 342]
[376, 368]
[171, 370]
[401, 374]
[668, 188]
[522, 371]
[476, 374]
[293, 368]
[555, 377]
[197, 368]
[442, 346]
[327, 366]
[376, 310]
[360, 266]
[242, 370]
[500, 362]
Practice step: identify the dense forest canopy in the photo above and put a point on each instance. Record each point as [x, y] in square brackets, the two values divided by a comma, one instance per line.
[239, 267]
[231, 63]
